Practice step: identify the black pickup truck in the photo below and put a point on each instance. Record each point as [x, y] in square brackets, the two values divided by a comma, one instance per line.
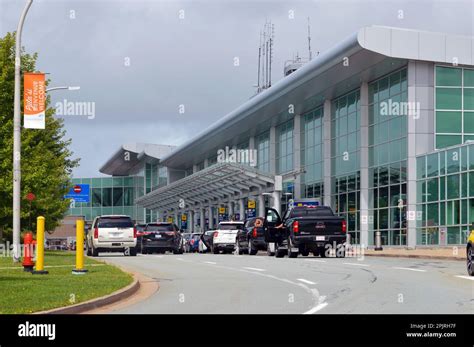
[305, 229]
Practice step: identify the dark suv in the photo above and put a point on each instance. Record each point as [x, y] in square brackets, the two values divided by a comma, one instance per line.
[161, 237]
[252, 238]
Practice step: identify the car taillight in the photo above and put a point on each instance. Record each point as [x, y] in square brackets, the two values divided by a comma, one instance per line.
[96, 233]
[134, 233]
[216, 234]
[296, 226]
[344, 226]
[254, 232]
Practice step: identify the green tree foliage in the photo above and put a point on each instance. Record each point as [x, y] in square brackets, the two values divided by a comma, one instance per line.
[46, 159]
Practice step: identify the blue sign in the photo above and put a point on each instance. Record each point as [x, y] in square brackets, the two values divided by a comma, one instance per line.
[79, 193]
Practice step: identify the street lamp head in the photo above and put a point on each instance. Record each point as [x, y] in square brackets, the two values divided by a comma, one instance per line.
[74, 88]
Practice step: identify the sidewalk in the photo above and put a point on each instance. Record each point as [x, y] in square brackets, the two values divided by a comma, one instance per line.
[446, 253]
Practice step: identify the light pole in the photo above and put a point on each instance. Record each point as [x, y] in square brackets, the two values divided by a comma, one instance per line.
[67, 88]
[17, 138]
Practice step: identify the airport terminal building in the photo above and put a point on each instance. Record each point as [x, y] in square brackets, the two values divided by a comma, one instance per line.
[378, 127]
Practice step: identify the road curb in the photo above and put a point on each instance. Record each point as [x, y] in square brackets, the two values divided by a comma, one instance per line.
[417, 256]
[114, 297]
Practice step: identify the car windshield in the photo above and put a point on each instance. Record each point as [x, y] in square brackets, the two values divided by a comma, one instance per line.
[159, 227]
[232, 226]
[311, 212]
[115, 222]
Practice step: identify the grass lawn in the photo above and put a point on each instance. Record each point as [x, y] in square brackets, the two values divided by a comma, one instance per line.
[22, 292]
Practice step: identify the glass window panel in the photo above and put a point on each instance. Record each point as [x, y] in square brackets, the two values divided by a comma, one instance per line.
[117, 196]
[96, 183]
[432, 189]
[394, 83]
[453, 186]
[107, 182]
[106, 197]
[448, 122]
[403, 80]
[96, 194]
[433, 217]
[468, 78]
[443, 141]
[468, 99]
[468, 122]
[448, 76]
[432, 165]
[442, 213]
[471, 183]
[383, 89]
[453, 159]
[448, 98]
[420, 167]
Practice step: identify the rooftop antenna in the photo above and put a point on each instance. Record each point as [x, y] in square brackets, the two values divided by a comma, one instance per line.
[259, 58]
[309, 40]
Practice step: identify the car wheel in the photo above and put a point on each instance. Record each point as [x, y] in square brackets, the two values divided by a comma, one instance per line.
[470, 255]
[305, 253]
[88, 249]
[133, 252]
[291, 254]
[95, 252]
[251, 249]
[279, 253]
[322, 252]
[269, 252]
[215, 250]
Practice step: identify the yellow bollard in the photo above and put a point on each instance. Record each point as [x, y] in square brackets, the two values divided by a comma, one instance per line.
[79, 270]
[39, 269]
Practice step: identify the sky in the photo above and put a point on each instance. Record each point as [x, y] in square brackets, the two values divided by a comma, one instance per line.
[139, 62]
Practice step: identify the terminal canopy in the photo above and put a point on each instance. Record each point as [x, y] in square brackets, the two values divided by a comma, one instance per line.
[210, 186]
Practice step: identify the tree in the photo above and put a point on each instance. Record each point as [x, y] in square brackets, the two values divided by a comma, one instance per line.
[46, 159]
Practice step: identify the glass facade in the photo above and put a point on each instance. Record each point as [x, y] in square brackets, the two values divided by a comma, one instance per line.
[110, 195]
[312, 149]
[284, 147]
[454, 105]
[387, 157]
[263, 151]
[445, 196]
[345, 148]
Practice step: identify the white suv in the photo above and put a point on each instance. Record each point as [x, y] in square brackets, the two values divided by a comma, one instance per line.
[112, 233]
[224, 237]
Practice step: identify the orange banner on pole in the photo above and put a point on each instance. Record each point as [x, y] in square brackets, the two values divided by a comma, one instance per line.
[34, 100]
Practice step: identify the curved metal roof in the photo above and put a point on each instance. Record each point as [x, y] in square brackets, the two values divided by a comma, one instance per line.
[367, 50]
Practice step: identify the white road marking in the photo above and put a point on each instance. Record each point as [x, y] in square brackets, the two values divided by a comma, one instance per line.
[316, 260]
[409, 269]
[467, 277]
[180, 259]
[316, 308]
[254, 269]
[305, 281]
[210, 262]
[356, 264]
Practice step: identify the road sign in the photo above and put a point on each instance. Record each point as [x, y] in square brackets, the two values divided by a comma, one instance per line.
[30, 197]
[79, 193]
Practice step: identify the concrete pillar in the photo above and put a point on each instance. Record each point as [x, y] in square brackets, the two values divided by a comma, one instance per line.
[206, 163]
[230, 209]
[297, 155]
[210, 216]
[241, 209]
[272, 150]
[364, 225]
[191, 221]
[203, 219]
[327, 152]
[411, 158]
[175, 218]
[252, 155]
[276, 195]
[195, 168]
[261, 205]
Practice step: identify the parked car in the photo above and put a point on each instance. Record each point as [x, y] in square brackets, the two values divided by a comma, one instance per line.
[304, 228]
[251, 238]
[193, 243]
[161, 237]
[223, 238]
[470, 252]
[140, 229]
[112, 233]
[205, 241]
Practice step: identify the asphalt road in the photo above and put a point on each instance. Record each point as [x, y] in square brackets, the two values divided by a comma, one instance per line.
[207, 283]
